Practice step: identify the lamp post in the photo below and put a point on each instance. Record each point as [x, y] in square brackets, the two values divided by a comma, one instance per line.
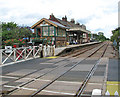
[119, 41]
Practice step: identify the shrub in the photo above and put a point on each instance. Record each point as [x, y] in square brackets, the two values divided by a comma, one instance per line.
[11, 42]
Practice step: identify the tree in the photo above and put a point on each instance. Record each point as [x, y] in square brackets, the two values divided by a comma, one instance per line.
[101, 33]
[8, 30]
[101, 36]
[11, 30]
[115, 36]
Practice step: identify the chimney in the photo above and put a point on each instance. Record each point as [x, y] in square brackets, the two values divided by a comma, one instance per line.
[77, 23]
[64, 18]
[51, 17]
[72, 21]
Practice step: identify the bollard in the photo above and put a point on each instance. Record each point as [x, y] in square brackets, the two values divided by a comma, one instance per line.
[44, 51]
[40, 49]
[48, 50]
[53, 50]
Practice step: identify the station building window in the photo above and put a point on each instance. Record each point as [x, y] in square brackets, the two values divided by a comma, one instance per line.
[64, 33]
[51, 29]
[45, 31]
[60, 32]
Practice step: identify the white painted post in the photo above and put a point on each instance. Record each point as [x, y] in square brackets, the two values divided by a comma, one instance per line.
[25, 54]
[33, 51]
[0, 56]
[48, 50]
[14, 54]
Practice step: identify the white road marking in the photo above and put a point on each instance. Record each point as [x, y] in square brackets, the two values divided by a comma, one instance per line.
[46, 63]
[58, 92]
[8, 77]
[20, 87]
[71, 82]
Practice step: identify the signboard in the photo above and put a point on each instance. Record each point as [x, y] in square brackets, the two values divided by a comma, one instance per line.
[8, 49]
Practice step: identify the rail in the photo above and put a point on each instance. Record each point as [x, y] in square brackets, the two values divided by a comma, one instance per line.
[81, 89]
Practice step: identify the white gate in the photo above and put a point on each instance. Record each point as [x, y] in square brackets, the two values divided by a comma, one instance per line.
[24, 53]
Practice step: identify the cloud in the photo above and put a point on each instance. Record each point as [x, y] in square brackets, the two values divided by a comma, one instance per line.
[95, 14]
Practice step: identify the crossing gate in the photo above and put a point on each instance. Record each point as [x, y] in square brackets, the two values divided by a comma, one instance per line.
[113, 88]
[24, 53]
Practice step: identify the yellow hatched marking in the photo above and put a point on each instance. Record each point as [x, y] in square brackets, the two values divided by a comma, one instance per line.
[113, 86]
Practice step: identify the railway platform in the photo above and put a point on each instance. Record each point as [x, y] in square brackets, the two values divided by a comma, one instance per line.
[59, 50]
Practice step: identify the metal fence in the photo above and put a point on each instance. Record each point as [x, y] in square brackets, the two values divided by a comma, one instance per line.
[24, 53]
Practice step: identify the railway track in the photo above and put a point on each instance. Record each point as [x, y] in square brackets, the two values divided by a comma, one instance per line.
[59, 73]
[70, 55]
[81, 89]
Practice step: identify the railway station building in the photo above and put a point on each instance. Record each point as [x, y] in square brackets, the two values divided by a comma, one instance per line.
[61, 31]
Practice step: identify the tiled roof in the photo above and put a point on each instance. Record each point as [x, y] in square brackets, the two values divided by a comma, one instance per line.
[58, 24]
[72, 26]
[68, 24]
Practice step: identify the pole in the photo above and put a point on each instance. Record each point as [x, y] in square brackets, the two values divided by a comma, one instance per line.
[0, 43]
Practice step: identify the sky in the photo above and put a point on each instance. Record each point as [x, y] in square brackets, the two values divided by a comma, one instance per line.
[97, 15]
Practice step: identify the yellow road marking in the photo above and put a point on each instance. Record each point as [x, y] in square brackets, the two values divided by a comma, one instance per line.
[51, 57]
[112, 87]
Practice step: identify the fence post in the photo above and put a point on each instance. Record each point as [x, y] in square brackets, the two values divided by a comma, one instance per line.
[0, 56]
[33, 51]
[40, 49]
[14, 54]
[25, 54]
